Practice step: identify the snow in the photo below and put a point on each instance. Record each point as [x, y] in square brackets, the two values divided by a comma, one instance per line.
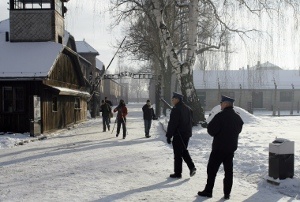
[34, 59]
[83, 163]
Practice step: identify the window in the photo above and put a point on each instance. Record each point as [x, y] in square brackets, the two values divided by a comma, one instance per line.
[54, 104]
[19, 99]
[285, 96]
[77, 103]
[13, 99]
[30, 4]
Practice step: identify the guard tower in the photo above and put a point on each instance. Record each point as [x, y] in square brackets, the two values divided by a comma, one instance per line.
[37, 20]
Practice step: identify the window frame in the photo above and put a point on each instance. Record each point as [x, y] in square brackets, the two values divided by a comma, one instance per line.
[16, 99]
[54, 104]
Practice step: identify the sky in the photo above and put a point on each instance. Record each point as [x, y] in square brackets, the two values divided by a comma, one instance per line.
[279, 42]
[82, 163]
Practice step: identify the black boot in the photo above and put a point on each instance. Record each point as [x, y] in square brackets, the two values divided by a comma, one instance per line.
[193, 172]
[175, 175]
[226, 196]
[205, 194]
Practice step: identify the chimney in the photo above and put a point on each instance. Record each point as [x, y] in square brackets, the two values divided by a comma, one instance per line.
[258, 65]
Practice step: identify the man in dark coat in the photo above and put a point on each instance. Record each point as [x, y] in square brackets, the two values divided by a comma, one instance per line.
[225, 128]
[148, 115]
[105, 109]
[180, 128]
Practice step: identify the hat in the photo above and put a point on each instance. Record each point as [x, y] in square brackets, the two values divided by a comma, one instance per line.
[148, 100]
[226, 99]
[177, 95]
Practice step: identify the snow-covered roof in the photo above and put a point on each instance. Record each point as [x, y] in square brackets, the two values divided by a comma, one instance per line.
[248, 79]
[84, 47]
[27, 59]
[68, 91]
[267, 66]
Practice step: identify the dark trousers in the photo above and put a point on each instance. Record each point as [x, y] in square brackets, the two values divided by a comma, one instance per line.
[181, 153]
[147, 124]
[123, 123]
[215, 160]
[105, 122]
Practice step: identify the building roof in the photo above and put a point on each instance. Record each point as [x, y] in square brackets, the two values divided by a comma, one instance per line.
[267, 66]
[27, 59]
[84, 47]
[247, 78]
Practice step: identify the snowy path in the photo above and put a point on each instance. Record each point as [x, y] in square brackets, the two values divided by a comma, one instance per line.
[85, 164]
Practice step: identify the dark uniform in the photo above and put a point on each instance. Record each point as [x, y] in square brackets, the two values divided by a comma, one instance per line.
[180, 128]
[148, 115]
[105, 109]
[225, 128]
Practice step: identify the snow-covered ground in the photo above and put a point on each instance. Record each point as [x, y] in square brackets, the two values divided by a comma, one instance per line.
[86, 164]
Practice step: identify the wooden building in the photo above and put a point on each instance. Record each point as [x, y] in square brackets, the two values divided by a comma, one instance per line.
[261, 87]
[42, 87]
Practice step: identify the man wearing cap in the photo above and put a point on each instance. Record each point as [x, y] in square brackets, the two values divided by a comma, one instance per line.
[180, 129]
[225, 128]
[148, 115]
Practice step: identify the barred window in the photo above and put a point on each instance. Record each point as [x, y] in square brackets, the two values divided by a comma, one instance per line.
[30, 4]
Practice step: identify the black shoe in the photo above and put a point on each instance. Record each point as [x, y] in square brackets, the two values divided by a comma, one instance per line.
[108, 128]
[147, 136]
[123, 137]
[104, 131]
[117, 135]
[205, 194]
[193, 172]
[175, 175]
[226, 196]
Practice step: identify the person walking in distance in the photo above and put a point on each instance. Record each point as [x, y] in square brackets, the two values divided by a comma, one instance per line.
[225, 128]
[148, 115]
[121, 118]
[180, 129]
[105, 109]
[110, 104]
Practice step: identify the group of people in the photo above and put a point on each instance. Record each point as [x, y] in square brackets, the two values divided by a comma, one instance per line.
[225, 128]
[121, 109]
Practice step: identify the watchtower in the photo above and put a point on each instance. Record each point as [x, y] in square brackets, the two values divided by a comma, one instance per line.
[37, 20]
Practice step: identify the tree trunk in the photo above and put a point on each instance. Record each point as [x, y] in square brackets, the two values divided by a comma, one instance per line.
[191, 98]
[184, 71]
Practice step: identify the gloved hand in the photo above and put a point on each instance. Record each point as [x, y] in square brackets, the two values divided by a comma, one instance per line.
[203, 124]
[169, 140]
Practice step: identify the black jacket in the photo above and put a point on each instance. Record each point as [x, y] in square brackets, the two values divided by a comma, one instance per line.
[180, 120]
[148, 112]
[105, 109]
[225, 127]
